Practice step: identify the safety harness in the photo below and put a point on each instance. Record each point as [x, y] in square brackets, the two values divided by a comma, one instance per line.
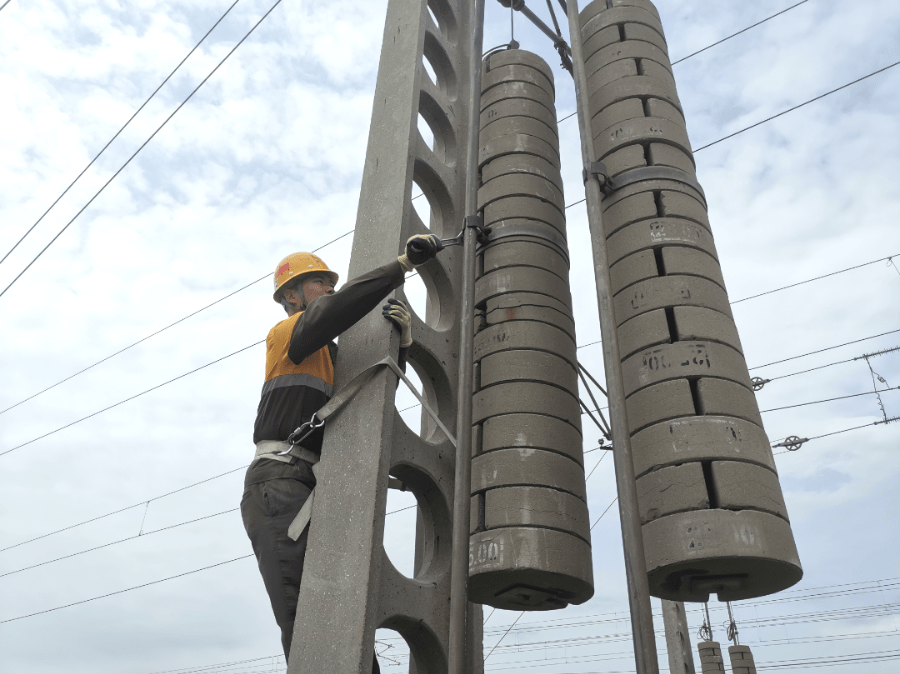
[288, 451]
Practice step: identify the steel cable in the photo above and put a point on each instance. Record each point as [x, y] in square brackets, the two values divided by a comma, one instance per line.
[143, 145]
[119, 132]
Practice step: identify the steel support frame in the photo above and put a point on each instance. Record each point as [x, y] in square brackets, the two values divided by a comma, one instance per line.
[350, 588]
[645, 653]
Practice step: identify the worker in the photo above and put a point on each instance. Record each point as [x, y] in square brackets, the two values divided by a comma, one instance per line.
[300, 355]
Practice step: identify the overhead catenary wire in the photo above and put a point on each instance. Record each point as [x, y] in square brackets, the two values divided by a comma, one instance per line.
[142, 534]
[792, 596]
[142, 146]
[797, 107]
[715, 44]
[743, 30]
[569, 206]
[262, 341]
[119, 132]
[128, 589]
[161, 330]
[828, 400]
[803, 441]
[817, 278]
[137, 395]
[122, 510]
[827, 348]
[345, 234]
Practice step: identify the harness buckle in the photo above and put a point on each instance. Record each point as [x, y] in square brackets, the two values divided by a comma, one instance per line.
[306, 429]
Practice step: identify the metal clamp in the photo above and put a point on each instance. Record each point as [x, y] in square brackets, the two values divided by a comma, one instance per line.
[474, 221]
[598, 170]
[307, 428]
[608, 185]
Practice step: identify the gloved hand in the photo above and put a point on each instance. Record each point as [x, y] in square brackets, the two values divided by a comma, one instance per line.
[419, 249]
[396, 311]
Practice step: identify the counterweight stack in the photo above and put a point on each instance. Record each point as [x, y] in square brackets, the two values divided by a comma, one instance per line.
[711, 507]
[530, 537]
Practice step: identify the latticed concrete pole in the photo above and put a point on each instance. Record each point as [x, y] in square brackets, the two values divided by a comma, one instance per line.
[350, 588]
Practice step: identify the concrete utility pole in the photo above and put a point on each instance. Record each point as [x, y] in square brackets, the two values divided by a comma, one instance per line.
[678, 638]
[349, 587]
[645, 655]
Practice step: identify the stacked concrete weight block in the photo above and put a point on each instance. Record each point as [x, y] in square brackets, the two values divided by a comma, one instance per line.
[713, 515]
[711, 661]
[530, 535]
[741, 660]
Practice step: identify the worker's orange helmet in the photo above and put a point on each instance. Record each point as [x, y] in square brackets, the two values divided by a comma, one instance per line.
[297, 265]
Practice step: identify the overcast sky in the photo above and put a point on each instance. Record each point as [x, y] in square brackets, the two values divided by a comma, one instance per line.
[267, 159]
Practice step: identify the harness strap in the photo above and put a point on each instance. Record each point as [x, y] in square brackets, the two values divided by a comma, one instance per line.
[340, 399]
[346, 393]
[284, 452]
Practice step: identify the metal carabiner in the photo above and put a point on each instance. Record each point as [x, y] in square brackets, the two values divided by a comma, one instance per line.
[308, 427]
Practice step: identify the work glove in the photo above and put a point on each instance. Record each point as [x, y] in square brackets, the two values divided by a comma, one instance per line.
[419, 249]
[396, 311]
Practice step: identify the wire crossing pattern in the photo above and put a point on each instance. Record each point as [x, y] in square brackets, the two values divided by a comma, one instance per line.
[137, 395]
[161, 330]
[127, 589]
[143, 145]
[119, 132]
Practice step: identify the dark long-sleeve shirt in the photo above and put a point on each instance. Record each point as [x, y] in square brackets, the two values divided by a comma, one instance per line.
[299, 363]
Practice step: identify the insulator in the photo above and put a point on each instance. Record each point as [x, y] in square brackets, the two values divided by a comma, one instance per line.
[530, 532]
[711, 506]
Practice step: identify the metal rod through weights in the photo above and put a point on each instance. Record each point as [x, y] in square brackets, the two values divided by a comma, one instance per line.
[645, 654]
[459, 570]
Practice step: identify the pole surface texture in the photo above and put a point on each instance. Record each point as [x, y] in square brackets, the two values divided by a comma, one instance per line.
[645, 654]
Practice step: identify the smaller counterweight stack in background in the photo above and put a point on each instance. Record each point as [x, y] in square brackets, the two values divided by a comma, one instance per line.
[712, 513]
[711, 661]
[530, 533]
[741, 660]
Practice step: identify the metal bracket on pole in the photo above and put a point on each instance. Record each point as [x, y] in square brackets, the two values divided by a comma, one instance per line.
[519, 6]
[597, 169]
[482, 233]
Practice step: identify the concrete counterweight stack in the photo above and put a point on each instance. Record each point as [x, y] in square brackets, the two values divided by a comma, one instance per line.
[713, 518]
[530, 536]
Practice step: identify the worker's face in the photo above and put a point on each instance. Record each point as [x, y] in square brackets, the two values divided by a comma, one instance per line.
[316, 285]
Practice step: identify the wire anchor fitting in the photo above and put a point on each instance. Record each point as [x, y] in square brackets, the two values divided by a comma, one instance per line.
[731, 628]
[759, 382]
[791, 443]
[705, 632]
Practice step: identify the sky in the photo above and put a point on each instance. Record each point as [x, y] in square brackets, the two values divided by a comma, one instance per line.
[266, 159]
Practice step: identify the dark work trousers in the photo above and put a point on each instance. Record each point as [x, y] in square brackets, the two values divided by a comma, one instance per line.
[268, 508]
